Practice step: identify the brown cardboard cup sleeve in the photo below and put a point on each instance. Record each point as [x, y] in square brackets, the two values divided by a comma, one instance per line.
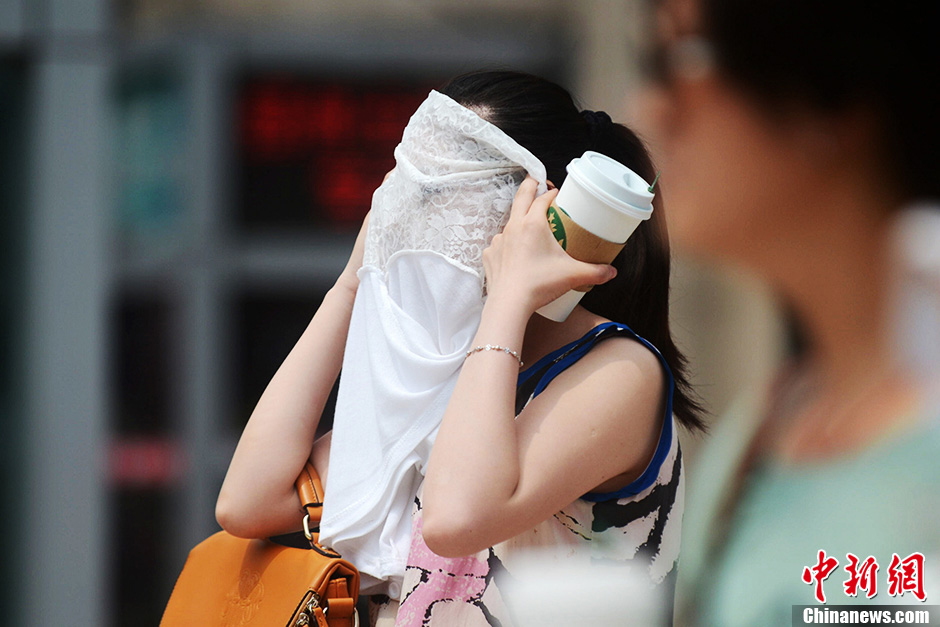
[580, 243]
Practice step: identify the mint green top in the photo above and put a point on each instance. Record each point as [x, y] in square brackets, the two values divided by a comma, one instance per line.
[883, 500]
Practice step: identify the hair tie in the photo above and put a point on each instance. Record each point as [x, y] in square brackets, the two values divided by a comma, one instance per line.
[598, 122]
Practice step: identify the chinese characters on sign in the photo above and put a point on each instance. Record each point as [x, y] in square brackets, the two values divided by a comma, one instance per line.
[904, 575]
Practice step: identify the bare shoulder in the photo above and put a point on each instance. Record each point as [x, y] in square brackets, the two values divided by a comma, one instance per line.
[609, 405]
[626, 353]
[614, 395]
[622, 367]
[631, 375]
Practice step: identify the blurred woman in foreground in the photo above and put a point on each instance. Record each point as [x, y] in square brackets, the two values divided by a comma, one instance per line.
[796, 135]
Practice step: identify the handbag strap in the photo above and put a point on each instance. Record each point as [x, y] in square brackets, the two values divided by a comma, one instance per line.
[310, 491]
[342, 585]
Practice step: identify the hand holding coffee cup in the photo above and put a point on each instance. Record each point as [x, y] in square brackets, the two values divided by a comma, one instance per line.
[596, 210]
[524, 266]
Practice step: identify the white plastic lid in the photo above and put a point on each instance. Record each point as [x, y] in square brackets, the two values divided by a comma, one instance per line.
[614, 183]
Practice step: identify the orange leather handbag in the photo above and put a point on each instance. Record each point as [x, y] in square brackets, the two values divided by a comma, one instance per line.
[229, 581]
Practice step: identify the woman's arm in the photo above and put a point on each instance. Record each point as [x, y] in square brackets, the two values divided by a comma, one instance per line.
[491, 476]
[257, 498]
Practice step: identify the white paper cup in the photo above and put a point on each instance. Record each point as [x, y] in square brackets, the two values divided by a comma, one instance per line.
[597, 209]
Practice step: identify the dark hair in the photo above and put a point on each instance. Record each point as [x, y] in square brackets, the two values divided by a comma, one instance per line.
[834, 55]
[542, 117]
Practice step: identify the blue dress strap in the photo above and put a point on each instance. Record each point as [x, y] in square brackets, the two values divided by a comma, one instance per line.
[534, 379]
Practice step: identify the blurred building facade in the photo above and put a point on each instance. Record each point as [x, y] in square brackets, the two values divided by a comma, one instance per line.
[181, 182]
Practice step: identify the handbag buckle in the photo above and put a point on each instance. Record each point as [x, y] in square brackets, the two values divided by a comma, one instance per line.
[307, 531]
[314, 542]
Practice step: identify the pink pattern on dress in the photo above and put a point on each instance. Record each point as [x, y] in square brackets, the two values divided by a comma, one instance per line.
[431, 579]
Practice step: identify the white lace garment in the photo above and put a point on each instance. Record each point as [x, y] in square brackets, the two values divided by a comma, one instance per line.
[416, 311]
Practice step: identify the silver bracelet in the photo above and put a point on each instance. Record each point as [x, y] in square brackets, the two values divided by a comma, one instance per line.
[496, 347]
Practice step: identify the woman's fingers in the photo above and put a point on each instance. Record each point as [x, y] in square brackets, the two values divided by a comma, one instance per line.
[526, 261]
[593, 273]
[539, 207]
[525, 195]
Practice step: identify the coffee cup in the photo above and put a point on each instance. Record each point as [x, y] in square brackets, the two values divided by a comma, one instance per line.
[596, 210]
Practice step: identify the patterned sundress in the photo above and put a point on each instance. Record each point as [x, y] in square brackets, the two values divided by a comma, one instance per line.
[637, 527]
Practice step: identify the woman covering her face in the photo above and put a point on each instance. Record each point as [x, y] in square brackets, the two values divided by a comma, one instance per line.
[800, 139]
[449, 462]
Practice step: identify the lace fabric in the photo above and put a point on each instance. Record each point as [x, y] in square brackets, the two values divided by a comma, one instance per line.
[454, 181]
[416, 312]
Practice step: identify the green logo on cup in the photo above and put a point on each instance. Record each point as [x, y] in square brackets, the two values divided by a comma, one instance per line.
[558, 227]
